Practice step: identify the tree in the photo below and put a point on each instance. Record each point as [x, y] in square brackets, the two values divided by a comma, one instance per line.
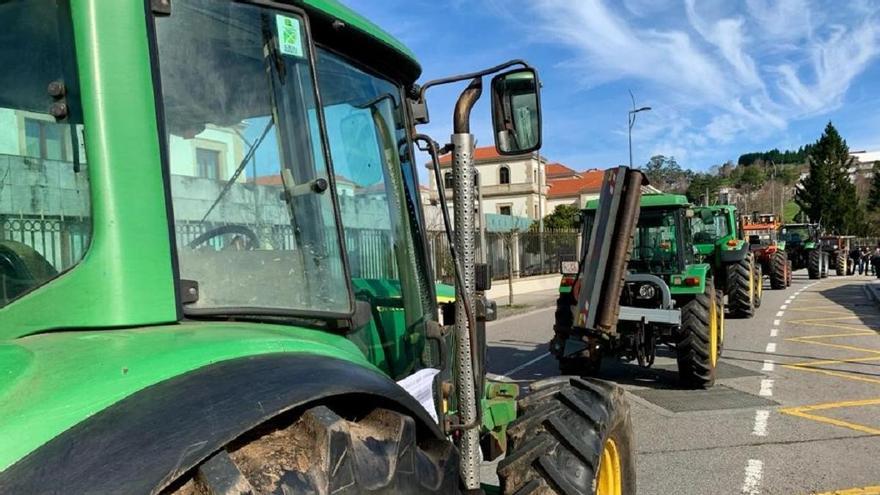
[563, 217]
[665, 173]
[874, 194]
[702, 184]
[826, 195]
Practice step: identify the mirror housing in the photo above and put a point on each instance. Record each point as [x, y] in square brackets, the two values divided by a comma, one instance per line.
[516, 111]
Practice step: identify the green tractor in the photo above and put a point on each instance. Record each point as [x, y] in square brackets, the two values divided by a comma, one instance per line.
[719, 240]
[213, 266]
[804, 248]
[666, 297]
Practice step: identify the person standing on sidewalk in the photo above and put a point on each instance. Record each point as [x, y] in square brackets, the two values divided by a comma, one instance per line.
[875, 260]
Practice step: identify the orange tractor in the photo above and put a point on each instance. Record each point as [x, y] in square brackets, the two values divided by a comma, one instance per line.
[768, 250]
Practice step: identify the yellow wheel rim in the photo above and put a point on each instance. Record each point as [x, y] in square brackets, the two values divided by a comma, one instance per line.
[713, 331]
[720, 326]
[760, 285]
[752, 284]
[608, 481]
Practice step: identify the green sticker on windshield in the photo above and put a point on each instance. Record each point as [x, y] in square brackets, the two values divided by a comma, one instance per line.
[289, 38]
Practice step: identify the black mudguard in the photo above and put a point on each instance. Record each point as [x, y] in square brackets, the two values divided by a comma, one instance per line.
[145, 441]
[734, 256]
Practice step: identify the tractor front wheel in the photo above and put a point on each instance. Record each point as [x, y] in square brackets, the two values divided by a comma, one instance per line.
[697, 349]
[779, 270]
[573, 435]
[322, 452]
[814, 264]
[741, 287]
[826, 259]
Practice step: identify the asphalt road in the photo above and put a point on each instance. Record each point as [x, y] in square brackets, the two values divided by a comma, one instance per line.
[795, 409]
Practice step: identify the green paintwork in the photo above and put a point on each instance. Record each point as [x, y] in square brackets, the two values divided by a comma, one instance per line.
[700, 270]
[563, 289]
[351, 18]
[651, 201]
[711, 251]
[53, 381]
[445, 292]
[125, 277]
[499, 409]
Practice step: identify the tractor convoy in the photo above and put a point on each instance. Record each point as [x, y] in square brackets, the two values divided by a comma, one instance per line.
[687, 266]
[230, 291]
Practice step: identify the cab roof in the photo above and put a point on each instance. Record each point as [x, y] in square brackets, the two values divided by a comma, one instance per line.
[335, 11]
[651, 201]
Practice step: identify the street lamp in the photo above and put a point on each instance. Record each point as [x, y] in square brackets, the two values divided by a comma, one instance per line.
[632, 120]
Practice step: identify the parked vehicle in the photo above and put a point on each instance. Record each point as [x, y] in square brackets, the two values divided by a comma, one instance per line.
[767, 249]
[667, 296]
[720, 242]
[801, 243]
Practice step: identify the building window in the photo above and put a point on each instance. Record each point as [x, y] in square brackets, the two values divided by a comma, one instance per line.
[208, 163]
[447, 180]
[504, 210]
[536, 212]
[504, 175]
[44, 139]
[535, 175]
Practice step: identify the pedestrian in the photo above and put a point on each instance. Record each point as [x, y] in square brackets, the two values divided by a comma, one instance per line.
[863, 260]
[875, 260]
[855, 255]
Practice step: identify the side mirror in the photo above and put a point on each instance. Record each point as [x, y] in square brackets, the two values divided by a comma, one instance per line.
[516, 111]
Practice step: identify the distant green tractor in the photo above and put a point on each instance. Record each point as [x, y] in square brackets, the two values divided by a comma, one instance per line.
[718, 238]
[802, 246]
[667, 297]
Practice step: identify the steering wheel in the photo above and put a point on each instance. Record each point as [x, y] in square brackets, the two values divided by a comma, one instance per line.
[252, 239]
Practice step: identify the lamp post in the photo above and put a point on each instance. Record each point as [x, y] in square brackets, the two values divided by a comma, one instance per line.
[631, 120]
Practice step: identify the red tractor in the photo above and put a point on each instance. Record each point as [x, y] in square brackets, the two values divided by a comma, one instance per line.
[761, 229]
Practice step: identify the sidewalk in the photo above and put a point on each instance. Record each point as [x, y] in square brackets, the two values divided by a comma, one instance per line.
[523, 303]
[872, 288]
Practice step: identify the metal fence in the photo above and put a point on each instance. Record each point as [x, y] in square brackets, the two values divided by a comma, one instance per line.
[62, 241]
[533, 253]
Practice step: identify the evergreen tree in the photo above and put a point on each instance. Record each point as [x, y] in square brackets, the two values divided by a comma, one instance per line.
[874, 194]
[827, 195]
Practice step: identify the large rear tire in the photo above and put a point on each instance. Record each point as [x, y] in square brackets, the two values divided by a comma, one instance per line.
[697, 349]
[323, 453]
[779, 270]
[573, 436]
[759, 285]
[814, 264]
[826, 259]
[741, 287]
[840, 268]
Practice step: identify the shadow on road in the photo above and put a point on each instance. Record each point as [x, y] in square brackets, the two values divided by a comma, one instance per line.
[852, 297]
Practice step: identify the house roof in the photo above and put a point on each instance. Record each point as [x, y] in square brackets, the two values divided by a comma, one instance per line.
[554, 170]
[584, 182]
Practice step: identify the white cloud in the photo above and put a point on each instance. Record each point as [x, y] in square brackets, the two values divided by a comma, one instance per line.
[730, 74]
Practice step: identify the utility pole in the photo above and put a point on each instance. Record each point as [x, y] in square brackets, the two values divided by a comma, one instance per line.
[631, 120]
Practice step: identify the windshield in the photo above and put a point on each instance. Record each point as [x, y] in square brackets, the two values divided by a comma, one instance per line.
[254, 215]
[796, 234]
[708, 228]
[45, 224]
[656, 242]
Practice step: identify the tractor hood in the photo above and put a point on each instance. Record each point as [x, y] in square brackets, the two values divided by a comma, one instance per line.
[51, 382]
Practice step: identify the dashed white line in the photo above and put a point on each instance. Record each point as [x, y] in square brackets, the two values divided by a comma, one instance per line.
[754, 473]
[526, 364]
[780, 313]
[768, 365]
[775, 323]
[760, 428]
[766, 387]
[783, 307]
[774, 332]
[771, 347]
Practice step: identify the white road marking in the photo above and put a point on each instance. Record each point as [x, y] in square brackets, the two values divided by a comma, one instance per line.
[525, 365]
[789, 300]
[774, 332]
[771, 347]
[775, 323]
[761, 416]
[783, 307]
[754, 473]
[768, 365]
[766, 388]
[780, 313]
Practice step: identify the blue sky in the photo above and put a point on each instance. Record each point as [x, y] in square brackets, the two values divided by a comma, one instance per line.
[723, 77]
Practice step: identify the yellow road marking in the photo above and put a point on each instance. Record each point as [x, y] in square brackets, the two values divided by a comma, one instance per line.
[804, 412]
[865, 490]
[835, 361]
[840, 374]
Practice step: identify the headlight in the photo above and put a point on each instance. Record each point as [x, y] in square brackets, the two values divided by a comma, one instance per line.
[647, 291]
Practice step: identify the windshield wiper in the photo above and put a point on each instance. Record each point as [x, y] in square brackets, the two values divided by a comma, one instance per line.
[239, 169]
